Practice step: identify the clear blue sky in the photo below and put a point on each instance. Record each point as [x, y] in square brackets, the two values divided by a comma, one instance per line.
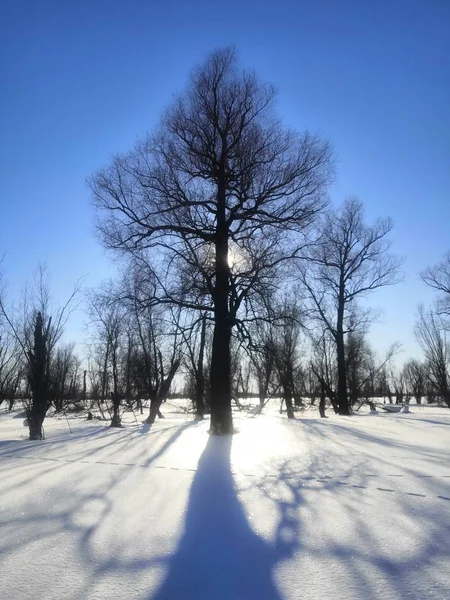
[82, 79]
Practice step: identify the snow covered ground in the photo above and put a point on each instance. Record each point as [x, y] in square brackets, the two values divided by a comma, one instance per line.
[339, 508]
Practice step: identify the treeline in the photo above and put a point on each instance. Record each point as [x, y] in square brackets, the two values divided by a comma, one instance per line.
[136, 350]
[236, 273]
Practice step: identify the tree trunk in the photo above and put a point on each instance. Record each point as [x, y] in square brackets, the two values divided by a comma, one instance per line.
[115, 396]
[322, 401]
[38, 378]
[162, 393]
[446, 397]
[116, 420]
[35, 428]
[298, 400]
[331, 395]
[221, 417]
[343, 406]
[84, 386]
[35, 418]
[153, 408]
[262, 395]
[289, 407]
[199, 376]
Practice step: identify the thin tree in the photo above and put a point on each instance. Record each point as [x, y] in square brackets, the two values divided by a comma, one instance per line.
[323, 366]
[288, 369]
[61, 374]
[157, 350]
[107, 327]
[261, 351]
[216, 194]
[415, 376]
[194, 337]
[431, 333]
[10, 364]
[350, 260]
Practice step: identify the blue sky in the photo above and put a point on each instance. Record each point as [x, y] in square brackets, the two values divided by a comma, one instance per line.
[82, 79]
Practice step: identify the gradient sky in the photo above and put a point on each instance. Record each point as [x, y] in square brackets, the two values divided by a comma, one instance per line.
[82, 79]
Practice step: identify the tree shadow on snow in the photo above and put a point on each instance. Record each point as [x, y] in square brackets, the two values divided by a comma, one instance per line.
[220, 557]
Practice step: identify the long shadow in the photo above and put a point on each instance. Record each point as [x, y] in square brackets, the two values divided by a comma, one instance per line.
[321, 427]
[26, 444]
[219, 556]
[178, 432]
[432, 421]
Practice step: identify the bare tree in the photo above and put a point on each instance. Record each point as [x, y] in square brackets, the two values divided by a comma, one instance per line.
[323, 366]
[10, 364]
[155, 370]
[415, 377]
[359, 364]
[37, 327]
[61, 374]
[350, 260]
[262, 359]
[287, 359]
[107, 328]
[11, 361]
[194, 338]
[241, 374]
[158, 347]
[399, 384]
[383, 384]
[218, 194]
[431, 334]
[438, 277]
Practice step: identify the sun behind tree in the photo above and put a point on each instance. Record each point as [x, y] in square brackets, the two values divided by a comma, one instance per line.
[219, 171]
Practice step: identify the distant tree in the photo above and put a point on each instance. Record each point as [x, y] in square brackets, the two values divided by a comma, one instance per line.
[431, 333]
[37, 328]
[383, 386]
[10, 364]
[241, 378]
[350, 260]
[415, 377]
[61, 373]
[288, 370]
[158, 342]
[10, 357]
[324, 368]
[125, 367]
[107, 330]
[215, 198]
[432, 330]
[262, 359]
[194, 337]
[359, 362]
[399, 385]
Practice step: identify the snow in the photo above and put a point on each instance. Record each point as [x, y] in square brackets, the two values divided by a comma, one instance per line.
[338, 508]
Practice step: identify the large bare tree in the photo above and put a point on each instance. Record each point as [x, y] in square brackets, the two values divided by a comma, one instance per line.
[213, 200]
[350, 260]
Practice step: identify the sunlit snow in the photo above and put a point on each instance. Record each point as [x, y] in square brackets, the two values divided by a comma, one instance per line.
[339, 508]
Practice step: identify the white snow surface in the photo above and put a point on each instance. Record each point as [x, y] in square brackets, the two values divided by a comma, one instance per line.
[339, 508]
